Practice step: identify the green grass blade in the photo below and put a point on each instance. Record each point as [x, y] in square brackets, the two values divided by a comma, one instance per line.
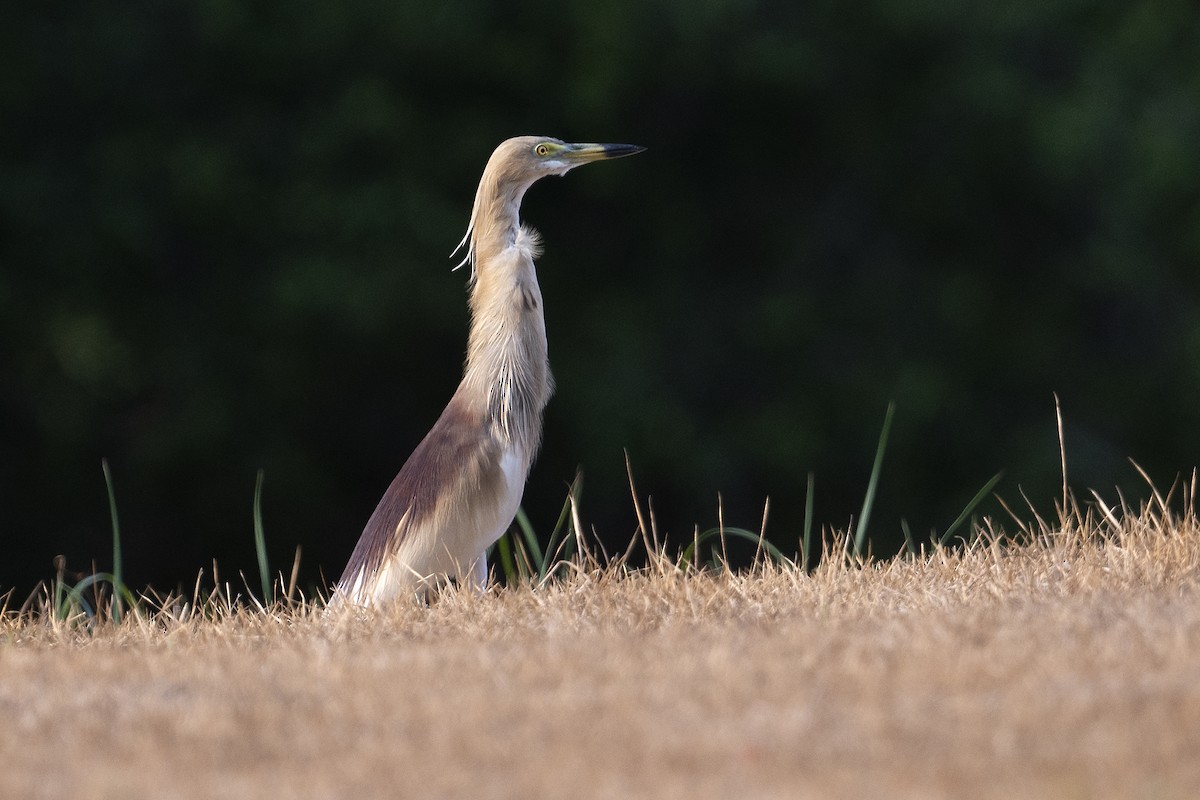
[60, 567]
[966, 512]
[533, 549]
[685, 558]
[689, 553]
[503, 546]
[70, 601]
[75, 595]
[260, 542]
[117, 581]
[130, 601]
[860, 534]
[806, 538]
[910, 544]
[564, 519]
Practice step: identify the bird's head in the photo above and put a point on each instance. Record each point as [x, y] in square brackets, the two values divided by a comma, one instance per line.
[527, 158]
[517, 163]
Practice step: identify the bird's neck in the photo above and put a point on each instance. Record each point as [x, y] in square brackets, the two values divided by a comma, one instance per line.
[507, 371]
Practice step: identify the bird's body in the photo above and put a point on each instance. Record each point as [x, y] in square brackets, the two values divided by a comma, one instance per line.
[460, 489]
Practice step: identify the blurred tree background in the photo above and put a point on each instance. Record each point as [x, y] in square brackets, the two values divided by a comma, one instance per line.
[225, 228]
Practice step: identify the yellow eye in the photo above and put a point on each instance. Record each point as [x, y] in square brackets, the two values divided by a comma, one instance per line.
[542, 150]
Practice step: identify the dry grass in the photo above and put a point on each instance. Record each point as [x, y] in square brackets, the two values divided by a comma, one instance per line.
[1066, 667]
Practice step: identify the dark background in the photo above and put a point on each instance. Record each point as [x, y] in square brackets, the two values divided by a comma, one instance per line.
[225, 228]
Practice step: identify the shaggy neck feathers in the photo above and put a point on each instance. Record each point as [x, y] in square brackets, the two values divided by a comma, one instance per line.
[507, 361]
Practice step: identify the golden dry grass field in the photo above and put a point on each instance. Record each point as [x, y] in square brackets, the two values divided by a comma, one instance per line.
[1064, 667]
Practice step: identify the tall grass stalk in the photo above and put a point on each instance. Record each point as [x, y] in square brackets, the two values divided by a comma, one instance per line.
[260, 542]
[860, 532]
[806, 537]
[532, 550]
[60, 568]
[910, 544]
[560, 541]
[118, 582]
[970, 508]
[508, 565]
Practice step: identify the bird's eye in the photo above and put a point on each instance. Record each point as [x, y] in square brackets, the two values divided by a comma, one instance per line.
[542, 150]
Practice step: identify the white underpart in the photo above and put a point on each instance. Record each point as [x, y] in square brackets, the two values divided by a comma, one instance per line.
[458, 549]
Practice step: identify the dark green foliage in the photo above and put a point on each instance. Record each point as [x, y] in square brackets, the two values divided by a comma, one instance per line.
[224, 232]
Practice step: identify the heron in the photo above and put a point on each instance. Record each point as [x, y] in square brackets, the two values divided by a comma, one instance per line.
[459, 490]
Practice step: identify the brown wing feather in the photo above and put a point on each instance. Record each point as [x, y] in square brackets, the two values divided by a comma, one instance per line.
[449, 451]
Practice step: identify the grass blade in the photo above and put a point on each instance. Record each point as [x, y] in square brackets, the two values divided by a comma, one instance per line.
[291, 587]
[689, 553]
[860, 533]
[75, 595]
[806, 538]
[966, 512]
[260, 542]
[60, 568]
[910, 544]
[564, 518]
[533, 549]
[504, 547]
[117, 579]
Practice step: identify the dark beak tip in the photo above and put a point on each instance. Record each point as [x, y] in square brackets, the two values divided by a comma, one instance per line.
[619, 150]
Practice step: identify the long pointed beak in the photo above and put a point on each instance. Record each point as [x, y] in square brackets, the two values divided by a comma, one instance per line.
[585, 153]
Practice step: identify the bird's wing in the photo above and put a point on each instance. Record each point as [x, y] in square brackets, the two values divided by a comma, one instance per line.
[453, 455]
